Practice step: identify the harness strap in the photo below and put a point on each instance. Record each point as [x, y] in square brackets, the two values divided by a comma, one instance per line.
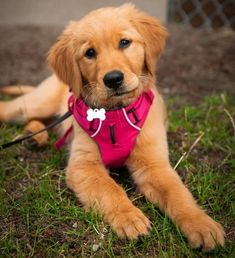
[61, 141]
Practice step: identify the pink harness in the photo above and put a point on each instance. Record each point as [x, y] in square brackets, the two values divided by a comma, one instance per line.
[116, 135]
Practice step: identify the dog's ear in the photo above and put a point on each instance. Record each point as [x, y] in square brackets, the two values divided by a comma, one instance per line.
[62, 59]
[153, 34]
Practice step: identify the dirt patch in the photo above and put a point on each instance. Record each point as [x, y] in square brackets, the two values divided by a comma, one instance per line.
[197, 63]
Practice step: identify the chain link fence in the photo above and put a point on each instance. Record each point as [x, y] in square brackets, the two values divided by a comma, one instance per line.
[207, 14]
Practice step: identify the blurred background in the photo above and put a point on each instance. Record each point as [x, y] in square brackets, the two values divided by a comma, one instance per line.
[199, 57]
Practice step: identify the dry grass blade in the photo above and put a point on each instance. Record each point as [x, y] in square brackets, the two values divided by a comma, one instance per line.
[186, 154]
[230, 118]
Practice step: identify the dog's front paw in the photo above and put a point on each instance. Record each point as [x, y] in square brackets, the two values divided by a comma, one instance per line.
[38, 140]
[130, 223]
[203, 232]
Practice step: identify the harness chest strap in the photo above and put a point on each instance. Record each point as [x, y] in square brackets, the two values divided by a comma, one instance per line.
[115, 135]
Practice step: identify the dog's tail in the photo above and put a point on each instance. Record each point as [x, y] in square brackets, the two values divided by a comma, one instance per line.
[16, 90]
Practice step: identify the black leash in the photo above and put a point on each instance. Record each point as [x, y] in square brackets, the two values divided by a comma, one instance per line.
[21, 139]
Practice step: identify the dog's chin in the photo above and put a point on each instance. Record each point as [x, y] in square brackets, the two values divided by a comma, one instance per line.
[112, 100]
[123, 93]
[122, 98]
[102, 97]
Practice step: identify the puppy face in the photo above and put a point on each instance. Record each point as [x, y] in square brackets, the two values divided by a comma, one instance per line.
[109, 56]
[111, 61]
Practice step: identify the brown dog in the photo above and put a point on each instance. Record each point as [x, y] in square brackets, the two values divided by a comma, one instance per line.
[129, 42]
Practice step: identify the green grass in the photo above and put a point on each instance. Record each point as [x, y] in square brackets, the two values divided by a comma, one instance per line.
[40, 217]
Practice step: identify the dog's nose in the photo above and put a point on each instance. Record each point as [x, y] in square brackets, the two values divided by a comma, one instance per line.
[113, 79]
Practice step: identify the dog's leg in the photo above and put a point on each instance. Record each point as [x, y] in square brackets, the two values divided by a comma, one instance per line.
[41, 103]
[157, 180]
[89, 179]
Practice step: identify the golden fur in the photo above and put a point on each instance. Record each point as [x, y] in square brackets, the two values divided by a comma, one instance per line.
[148, 163]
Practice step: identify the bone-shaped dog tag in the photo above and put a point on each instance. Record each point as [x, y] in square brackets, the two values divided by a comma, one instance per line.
[96, 113]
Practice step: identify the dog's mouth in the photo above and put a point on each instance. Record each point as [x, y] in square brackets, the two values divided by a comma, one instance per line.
[122, 93]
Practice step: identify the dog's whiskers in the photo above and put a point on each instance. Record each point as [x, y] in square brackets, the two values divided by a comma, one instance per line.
[89, 96]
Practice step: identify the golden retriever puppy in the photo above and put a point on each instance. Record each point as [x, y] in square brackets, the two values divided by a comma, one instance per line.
[108, 61]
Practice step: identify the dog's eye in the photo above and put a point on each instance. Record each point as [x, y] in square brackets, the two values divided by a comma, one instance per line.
[124, 43]
[90, 53]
